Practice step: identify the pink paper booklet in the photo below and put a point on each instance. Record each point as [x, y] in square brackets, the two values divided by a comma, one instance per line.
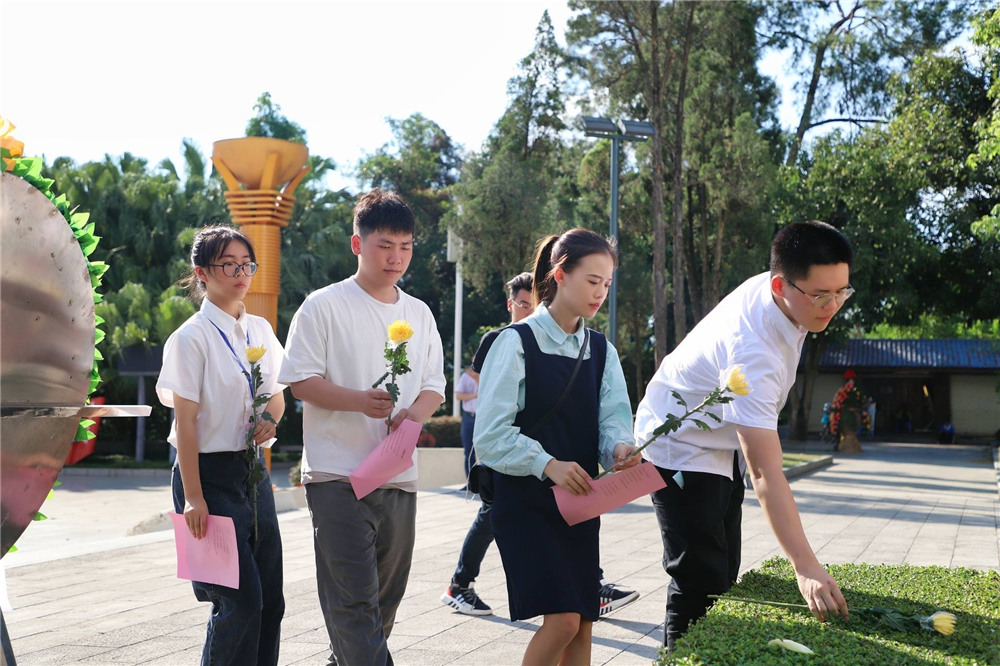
[391, 457]
[610, 492]
[212, 559]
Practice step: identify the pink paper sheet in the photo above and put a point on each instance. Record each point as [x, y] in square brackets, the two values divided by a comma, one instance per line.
[610, 492]
[212, 559]
[393, 456]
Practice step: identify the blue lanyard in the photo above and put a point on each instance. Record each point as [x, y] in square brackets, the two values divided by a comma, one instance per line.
[246, 373]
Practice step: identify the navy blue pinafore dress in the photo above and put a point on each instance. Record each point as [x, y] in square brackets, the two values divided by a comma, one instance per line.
[550, 566]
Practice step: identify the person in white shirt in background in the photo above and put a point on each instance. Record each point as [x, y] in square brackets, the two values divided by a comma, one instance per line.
[467, 390]
[335, 351]
[202, 380]
[761, 325]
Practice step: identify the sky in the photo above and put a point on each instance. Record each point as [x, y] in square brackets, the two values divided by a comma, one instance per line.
[85, 79]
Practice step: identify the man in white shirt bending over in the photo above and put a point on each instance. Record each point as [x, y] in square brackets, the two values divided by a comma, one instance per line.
[761, 325]
[334, 352]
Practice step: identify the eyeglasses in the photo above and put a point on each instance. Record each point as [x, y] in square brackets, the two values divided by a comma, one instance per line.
[524, 305]
[232, 269]
[823, 300]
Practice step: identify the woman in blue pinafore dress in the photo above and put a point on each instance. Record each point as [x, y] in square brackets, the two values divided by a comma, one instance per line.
[534, 437]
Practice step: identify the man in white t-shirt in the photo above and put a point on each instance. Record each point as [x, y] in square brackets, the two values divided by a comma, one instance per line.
[334, 352]
[761, 325]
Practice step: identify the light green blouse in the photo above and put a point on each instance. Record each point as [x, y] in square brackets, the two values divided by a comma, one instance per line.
[499, 443]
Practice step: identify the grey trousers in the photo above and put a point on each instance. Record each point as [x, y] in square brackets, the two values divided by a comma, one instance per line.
[363, 554]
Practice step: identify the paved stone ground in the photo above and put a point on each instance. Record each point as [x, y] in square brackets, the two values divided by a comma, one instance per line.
[916, 504]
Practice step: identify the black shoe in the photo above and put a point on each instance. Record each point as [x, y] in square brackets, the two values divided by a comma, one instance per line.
[613, 597]
[465, 600]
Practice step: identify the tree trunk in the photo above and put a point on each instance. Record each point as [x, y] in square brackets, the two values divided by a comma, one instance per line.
[680, 310]
[690, 259]
[806, 119]
[655, 95]
[800, 397]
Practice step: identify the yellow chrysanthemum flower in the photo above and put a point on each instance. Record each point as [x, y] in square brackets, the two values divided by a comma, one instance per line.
[254, 354]
[943, 622]
[400, 331]
[8, 142]
[735, 381]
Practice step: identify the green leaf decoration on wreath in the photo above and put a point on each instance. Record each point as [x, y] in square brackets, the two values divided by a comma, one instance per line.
[30, 170]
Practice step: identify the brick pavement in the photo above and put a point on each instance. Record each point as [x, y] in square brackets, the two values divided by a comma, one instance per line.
[916, 504]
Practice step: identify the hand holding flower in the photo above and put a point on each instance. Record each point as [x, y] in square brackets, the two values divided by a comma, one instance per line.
[376, 404]
[399, 332]
[265, 430]
[732, 380]
[624, 456]
[261, 426]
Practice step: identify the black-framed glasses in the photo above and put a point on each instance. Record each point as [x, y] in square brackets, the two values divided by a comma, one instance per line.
[823, 300]
[232, 269]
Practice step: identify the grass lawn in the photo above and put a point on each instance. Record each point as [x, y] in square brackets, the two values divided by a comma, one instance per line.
[792, 459]
[738, 633]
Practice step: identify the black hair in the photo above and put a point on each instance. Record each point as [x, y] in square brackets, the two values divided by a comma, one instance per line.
[381, 210]
[208, 246]
[802, 245]
[523, 281]
[565, 252]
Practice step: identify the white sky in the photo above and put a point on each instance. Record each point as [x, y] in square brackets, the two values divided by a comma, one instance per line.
[83, 79]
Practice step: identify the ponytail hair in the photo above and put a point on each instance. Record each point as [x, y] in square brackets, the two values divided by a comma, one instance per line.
[565, 252]
[208, 246]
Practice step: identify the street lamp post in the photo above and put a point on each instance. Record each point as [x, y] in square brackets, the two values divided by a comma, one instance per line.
[455, 256]
[624, 130]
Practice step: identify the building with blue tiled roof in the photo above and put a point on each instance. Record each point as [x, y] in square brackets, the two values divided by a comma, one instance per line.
[918, 385]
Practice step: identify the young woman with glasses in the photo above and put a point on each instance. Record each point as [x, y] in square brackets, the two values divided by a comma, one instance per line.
[203, 380]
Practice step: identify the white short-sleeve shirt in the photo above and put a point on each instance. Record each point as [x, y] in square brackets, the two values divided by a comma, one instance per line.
[198, 365]
[339, 334]
[747, 328]
[466, 384]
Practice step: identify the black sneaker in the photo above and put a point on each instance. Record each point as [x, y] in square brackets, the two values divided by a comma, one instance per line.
[613, 597]
[465, 600]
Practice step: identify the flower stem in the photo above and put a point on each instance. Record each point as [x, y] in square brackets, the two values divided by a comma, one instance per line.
[658, 431]
[758, 601]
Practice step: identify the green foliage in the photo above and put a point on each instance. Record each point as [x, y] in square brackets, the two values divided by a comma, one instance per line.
[739, 633]
[987, 154]
[396, 364]
[507, 197]
[268, 121]
[932, 327]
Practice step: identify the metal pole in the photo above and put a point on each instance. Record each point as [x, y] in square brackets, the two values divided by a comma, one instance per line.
[140, 426]
[613, 296]
[456, 405]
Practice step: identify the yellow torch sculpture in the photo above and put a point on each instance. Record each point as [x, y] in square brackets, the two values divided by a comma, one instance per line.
[253, 169]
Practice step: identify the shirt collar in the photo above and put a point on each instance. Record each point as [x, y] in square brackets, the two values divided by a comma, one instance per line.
[235, 327]
[555, 332]
[791, 332]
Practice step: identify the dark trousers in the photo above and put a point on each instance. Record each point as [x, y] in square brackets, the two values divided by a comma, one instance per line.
[700, 527]
[468, 426]
[363, 553]
[477, 542]
[245, 625]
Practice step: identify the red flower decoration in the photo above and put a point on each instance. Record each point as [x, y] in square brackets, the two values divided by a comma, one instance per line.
[850, 374]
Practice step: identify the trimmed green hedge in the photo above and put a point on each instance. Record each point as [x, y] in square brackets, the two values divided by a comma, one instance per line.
[738, 633]
[447, 430]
